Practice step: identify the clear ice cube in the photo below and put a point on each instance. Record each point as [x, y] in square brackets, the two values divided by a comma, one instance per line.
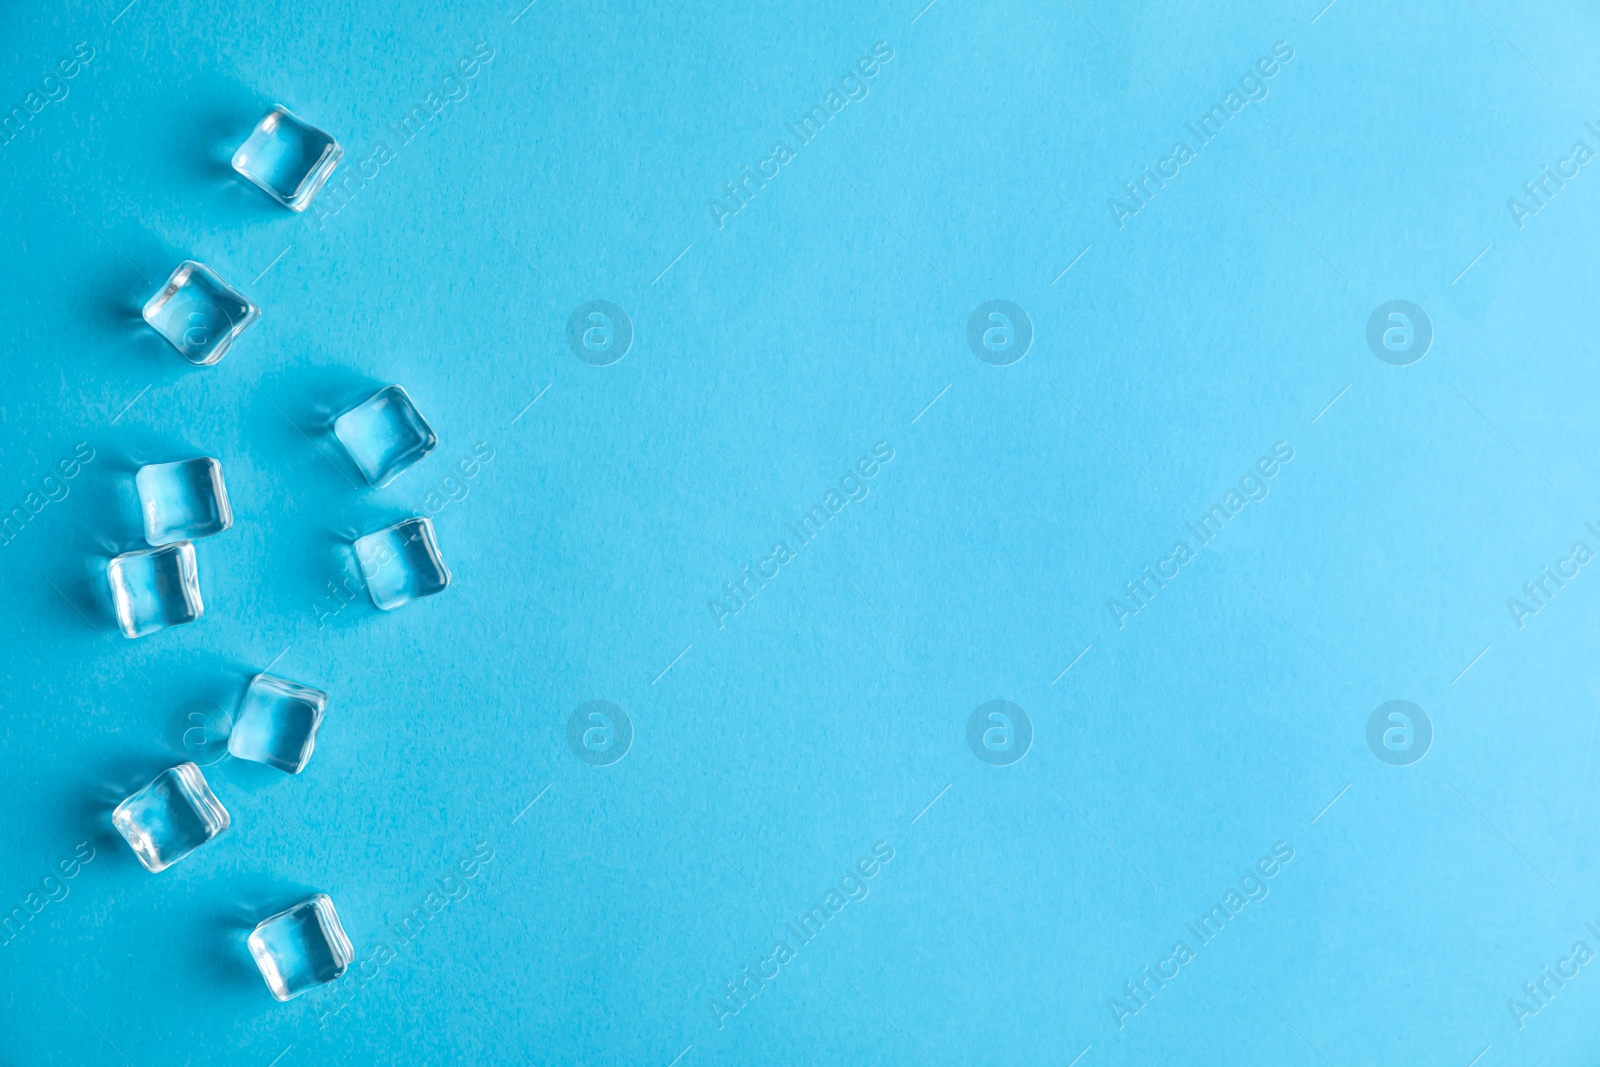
[277, 723]
[301, 948]
[170, 817]
[384, 434]
[288, 158]
[402, 563]
[199, 313]
[153, 588]
[182, 501]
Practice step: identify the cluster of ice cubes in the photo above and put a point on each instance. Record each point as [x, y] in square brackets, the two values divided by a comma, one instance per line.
[383, 435]
[153, 588]
[201, 316]
[276, 723]
[181, 502]
[196, 311]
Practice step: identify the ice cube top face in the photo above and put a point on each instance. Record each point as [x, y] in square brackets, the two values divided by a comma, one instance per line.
[301, 948]
[402, 563]
[170, 817]
[182, 501]
[384, 434]
[199, 313]
[288, 158]
[154, 588]
[277, 723]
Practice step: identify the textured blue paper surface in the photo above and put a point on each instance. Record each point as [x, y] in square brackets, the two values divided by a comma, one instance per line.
[1204, 857]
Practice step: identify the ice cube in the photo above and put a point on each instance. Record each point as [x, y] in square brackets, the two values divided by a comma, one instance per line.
[402, 563]
[154, 588]
[384, 434]
[288, 158]
[171, 817]
[301, 948]
[199, 313]
[277, 723]
[183, 500]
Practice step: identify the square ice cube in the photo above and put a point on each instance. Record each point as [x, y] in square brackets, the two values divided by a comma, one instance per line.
[199, 313]
[183, 500]
[288, 158]
[277, 723]
[402, 563]
[154, 588]
[301, 948]
[170, 817]
[384, 434]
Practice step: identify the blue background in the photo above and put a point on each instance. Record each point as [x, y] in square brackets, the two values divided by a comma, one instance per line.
[829, 714]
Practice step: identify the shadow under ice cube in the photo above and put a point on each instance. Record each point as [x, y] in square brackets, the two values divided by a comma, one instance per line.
[170, 817]
[199, 313]
[288, 158]
[153, 588]
[402, 563]
[301, 948]
[384, 434]
[277, 723]
[182, 501]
